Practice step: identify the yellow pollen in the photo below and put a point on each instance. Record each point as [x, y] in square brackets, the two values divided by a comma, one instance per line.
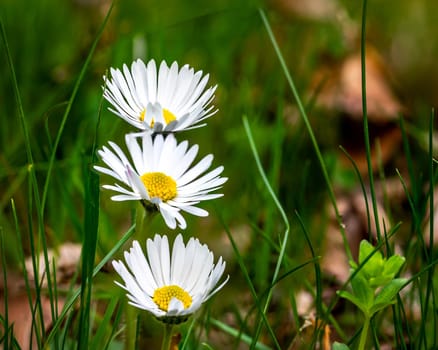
[167, 115]
[159, 185]
[163, 295]
[142, 114]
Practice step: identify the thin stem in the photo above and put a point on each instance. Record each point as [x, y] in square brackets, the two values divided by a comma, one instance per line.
[365, 120]
[167, 337]
[306, 121]
[285, 220]
[131, 327]
[75, 295]
[364, 334]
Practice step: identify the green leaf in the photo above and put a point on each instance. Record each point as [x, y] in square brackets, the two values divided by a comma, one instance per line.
[380, 306]
[393, 265]
[340, 346]
[353, 299]
[380, 281]
[386, 296]
[374, 265]
[365, 249]
[362, 290]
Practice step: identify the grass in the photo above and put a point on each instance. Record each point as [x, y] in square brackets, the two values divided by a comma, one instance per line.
[280, 150]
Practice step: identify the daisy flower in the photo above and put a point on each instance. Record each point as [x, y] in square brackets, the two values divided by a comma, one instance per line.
[171, 286]
[166, 100]
[161, 175]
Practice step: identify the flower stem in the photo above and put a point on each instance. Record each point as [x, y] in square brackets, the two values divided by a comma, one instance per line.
[364, 333]
[167, 337]
[131, 327]
[144, 215]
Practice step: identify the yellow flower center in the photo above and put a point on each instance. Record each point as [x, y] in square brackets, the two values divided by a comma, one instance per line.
[167, 115]
[159, 185]
[163, 295]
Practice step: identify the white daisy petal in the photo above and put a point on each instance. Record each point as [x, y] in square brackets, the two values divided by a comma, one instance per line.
[162, 174]
[151, 72]
[122, 198]
[192, 281]
[136, 153]
[162, 80]
[185, 161]
[169, 218]
[141, 95]
[136, 183]
[202, 257]
[197, 170]
[173, 214]
[195, 210]
[175, 307]
[177, 263]
[141, 269]
[154, 259]
[165, 260]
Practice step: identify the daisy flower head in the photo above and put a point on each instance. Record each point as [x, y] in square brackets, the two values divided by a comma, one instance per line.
[167, 99]
[161, 175]
[170, 285]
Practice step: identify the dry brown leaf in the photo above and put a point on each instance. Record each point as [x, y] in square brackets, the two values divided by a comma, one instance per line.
[305, 336]
[342, 90]
[322, 11]
[334, 261]
[20, 317]
[340, 94]
[360, 208]
[66, 260]
[353, 210]
[384, 147]
[311, 9]
[304, 301]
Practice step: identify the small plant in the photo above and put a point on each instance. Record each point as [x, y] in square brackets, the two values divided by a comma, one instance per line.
[374, 286]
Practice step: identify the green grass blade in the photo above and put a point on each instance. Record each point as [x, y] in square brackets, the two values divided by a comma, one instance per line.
[318, 279]
[398, 325]
[22, 258]
[429, 284]
[416, 219]
[39, 327]
[91, 226]
[283, 216]
[33, 180]
[309, 129]
[365, 119]
[247, 278]
[237, 333]
[69, 106]
[430, 291]
[71, 301]
[17, 96]
[264, 252]
[99, 336]
[115, 331]
[187, 335]
[91, 221]
[362, 186]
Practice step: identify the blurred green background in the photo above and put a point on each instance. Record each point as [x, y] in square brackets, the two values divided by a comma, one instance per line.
[50, 39]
